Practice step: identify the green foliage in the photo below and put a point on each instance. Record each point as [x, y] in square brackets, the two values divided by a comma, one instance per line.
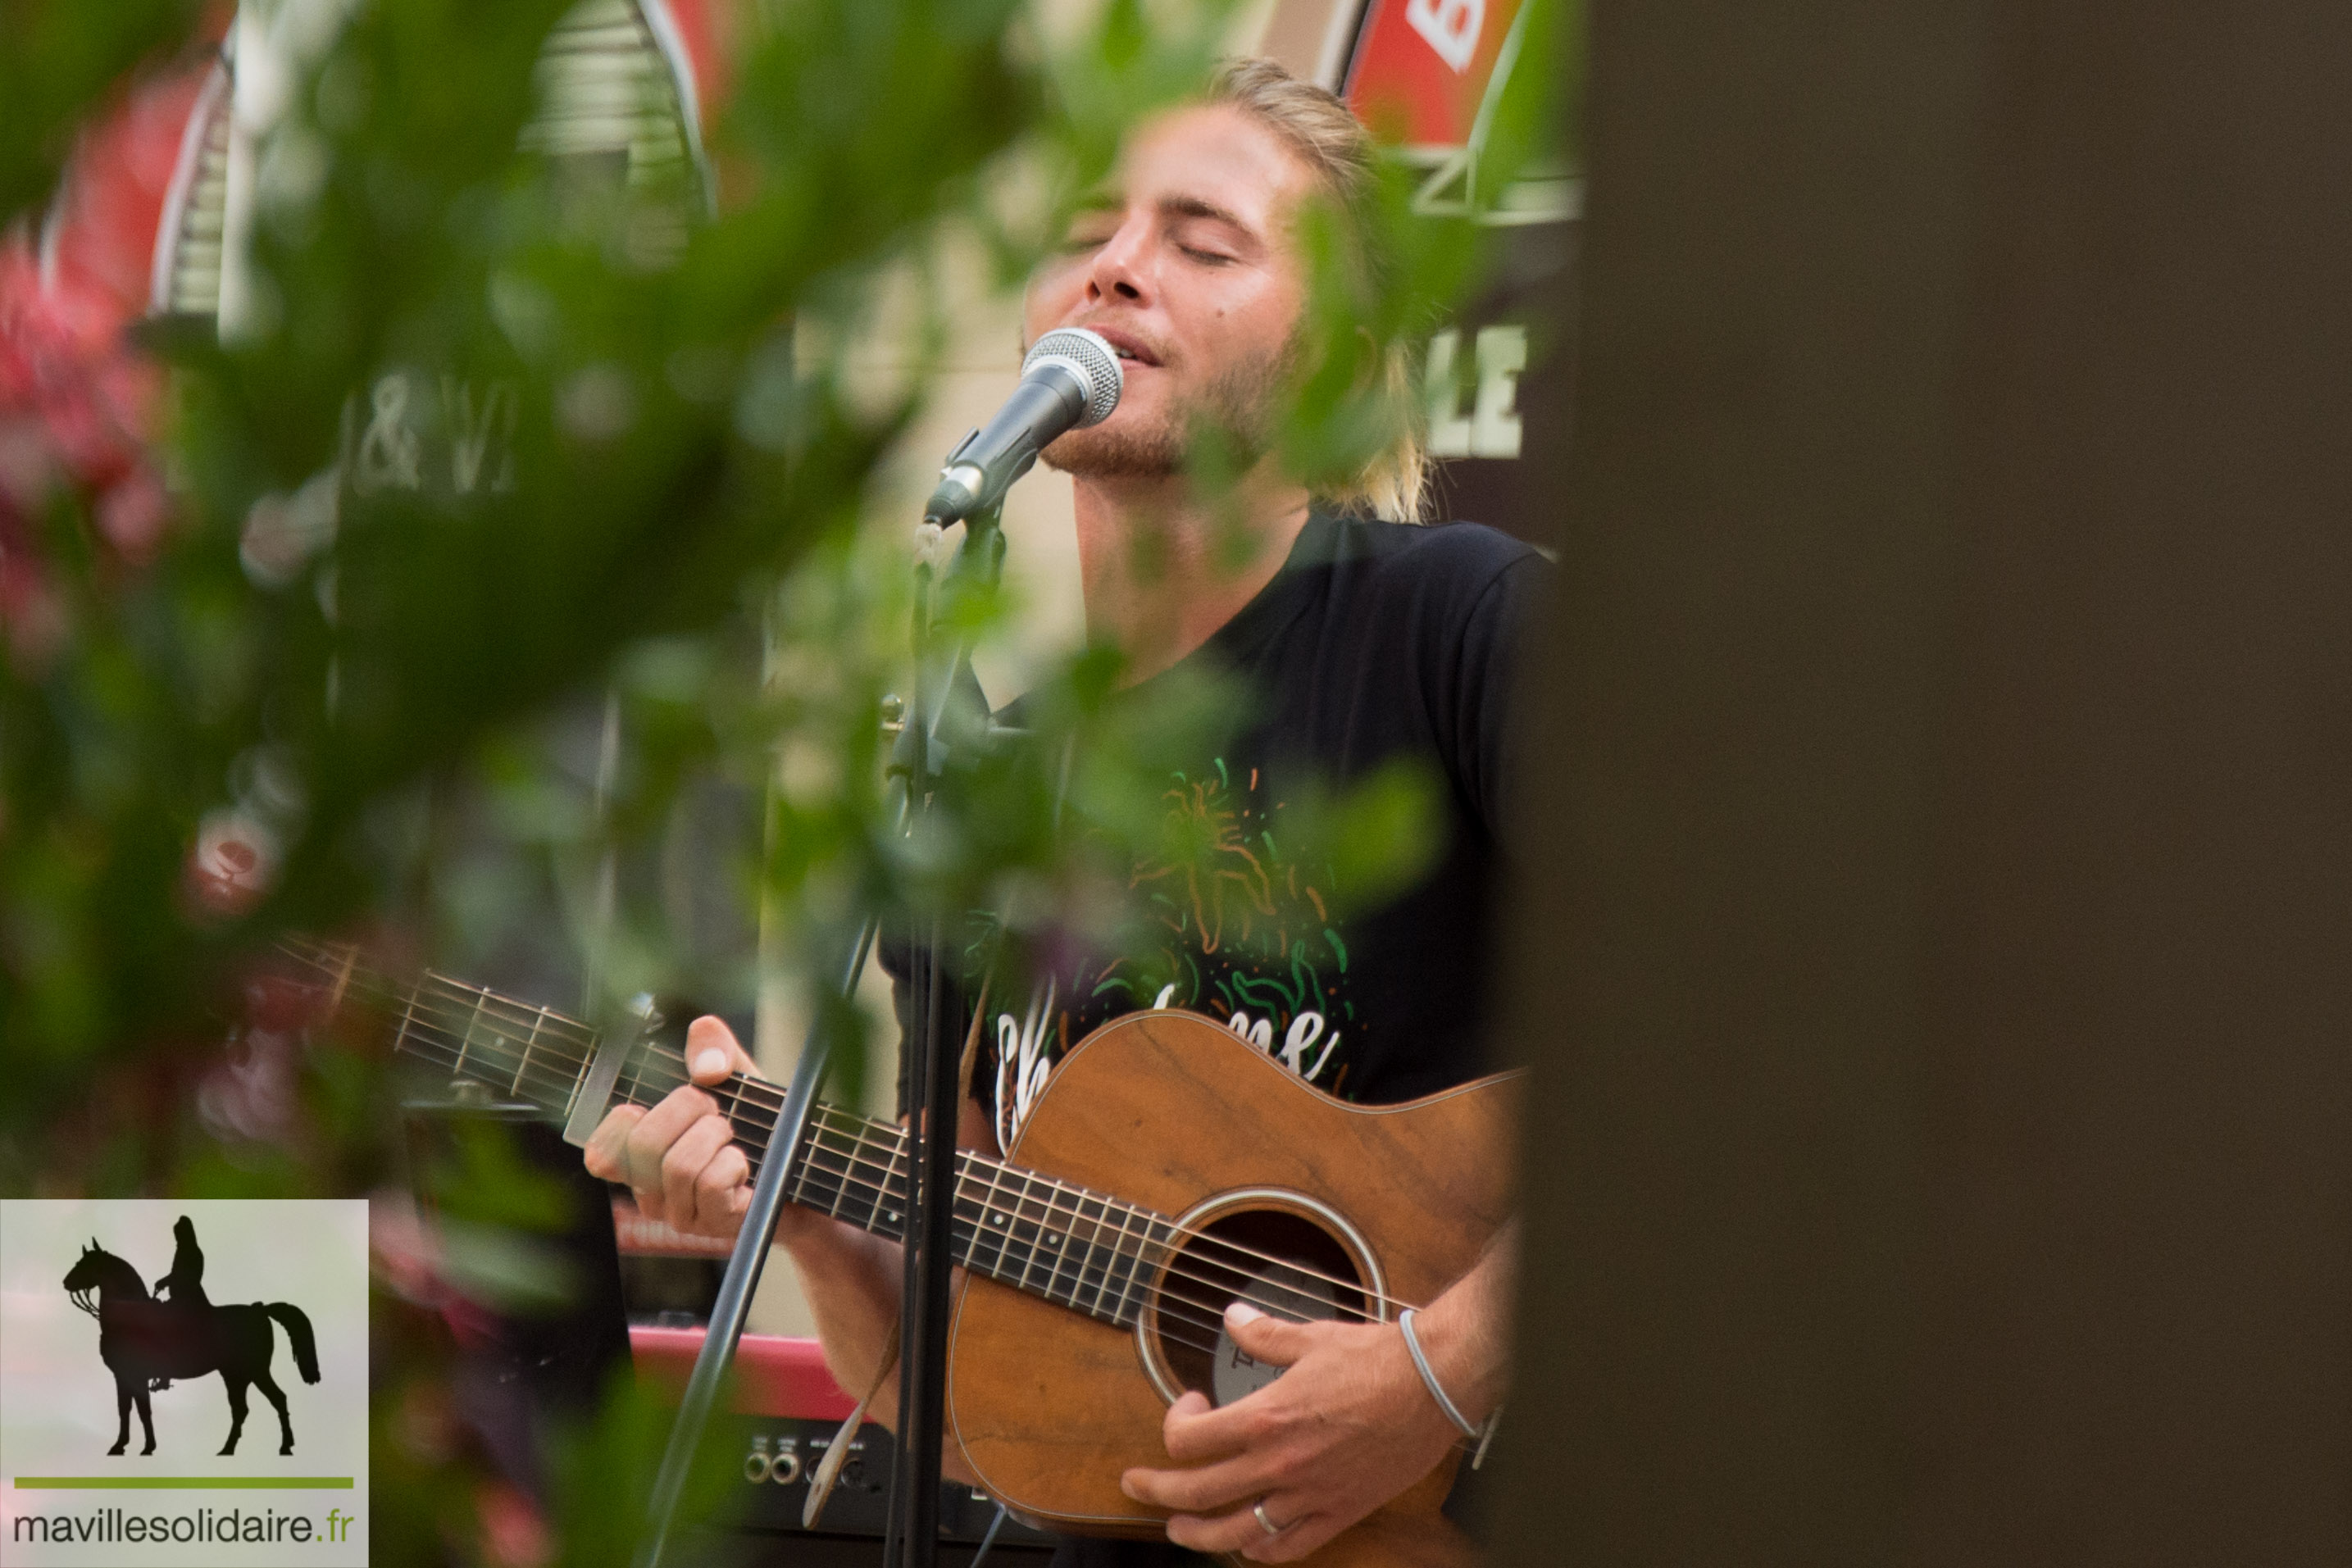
[519, 577]
[603, 1468]
[58, 57]
[669, 452]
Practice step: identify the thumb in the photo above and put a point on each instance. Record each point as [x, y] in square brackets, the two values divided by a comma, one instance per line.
[1267, 1338]
[712, 1052]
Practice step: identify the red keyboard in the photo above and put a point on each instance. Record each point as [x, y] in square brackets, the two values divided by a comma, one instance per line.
[774, 1375]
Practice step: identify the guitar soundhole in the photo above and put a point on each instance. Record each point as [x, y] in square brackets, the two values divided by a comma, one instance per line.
[1278, 1262]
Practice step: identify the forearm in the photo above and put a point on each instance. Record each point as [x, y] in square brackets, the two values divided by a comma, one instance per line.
[1466, 1332]
[851, 1282]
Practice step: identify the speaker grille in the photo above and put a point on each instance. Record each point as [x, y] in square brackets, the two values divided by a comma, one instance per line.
[1087, 353]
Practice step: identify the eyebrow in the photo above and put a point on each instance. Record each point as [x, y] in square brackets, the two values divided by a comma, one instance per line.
[1197, 207]
[1168, 207]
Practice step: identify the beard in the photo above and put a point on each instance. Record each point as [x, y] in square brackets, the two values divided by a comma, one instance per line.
[1238, 409]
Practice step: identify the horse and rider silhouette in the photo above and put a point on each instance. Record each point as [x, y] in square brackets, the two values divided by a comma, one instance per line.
[148, 1341]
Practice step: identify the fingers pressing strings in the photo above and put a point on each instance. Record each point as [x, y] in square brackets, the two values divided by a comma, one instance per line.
[445, 1026]
[869, 1167]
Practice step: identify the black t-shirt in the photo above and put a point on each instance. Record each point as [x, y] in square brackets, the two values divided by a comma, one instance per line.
[1376, 641]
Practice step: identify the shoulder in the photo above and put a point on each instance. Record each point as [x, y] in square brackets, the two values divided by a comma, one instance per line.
[1471, 549]
[1450, 570]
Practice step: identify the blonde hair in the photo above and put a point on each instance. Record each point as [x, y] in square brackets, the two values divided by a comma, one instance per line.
[1317, 126]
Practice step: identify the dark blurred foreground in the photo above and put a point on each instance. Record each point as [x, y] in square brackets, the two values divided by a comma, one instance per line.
[1937, 971]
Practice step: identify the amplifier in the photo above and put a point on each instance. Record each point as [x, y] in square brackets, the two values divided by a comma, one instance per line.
[779, 1453]
[788, 1410]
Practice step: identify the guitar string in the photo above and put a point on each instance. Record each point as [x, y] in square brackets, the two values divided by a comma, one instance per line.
[476, 1000]
[1235, 1248]
[560, 1084]
[1091, 1277]
[1087, 1263]
[1100, 1234]
[1173, 1306]
[885, 1148]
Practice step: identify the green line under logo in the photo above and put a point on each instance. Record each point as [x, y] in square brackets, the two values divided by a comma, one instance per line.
[183, 1483]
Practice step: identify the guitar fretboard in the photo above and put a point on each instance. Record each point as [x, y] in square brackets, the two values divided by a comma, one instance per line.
[1045, 1238]
[1065, 1244]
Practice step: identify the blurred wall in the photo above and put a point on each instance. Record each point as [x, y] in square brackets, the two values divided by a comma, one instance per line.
[1934, 956]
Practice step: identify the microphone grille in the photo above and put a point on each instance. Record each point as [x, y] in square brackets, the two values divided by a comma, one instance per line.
[1087, 353]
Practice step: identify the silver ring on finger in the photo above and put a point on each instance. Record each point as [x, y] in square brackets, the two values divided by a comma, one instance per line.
[1257, 1511]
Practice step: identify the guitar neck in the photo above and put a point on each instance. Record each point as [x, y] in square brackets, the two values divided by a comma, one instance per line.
[1068, 1245]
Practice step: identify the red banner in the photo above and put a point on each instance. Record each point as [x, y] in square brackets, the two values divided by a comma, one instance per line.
[1422, 67]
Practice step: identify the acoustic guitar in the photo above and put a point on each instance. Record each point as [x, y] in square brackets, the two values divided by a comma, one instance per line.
[1167, 1169]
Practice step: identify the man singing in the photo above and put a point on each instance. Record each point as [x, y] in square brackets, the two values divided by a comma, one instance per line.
[1365, 642]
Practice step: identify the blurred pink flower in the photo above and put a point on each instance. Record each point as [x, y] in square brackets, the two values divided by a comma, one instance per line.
[514, 1533]
[77, 398]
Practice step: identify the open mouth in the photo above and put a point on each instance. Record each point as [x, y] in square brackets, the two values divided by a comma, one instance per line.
[1128, 351]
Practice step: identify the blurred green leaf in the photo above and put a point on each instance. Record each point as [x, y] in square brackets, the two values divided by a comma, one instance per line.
[58, 57]
[524, 606]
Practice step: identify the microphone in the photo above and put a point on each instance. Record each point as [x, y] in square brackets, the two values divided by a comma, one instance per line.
[1070, 379]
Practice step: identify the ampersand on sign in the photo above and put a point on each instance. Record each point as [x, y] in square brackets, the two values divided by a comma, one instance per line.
[390, 453]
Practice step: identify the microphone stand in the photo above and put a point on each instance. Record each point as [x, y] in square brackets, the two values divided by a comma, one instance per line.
[947, 718]
[945, 724]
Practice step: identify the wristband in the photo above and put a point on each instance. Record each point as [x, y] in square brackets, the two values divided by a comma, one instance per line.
[1412, 1344]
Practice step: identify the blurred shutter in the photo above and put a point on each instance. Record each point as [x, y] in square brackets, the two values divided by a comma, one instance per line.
[614, 85]
[188, 239]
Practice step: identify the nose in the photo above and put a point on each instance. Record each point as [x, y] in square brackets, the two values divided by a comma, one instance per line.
[1122, 268]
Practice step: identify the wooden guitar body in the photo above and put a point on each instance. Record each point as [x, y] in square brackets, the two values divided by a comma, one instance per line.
[1167, 1169]
[1172, 1110]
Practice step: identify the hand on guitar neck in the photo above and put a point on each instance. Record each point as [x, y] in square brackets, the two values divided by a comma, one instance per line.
[679, 1156]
